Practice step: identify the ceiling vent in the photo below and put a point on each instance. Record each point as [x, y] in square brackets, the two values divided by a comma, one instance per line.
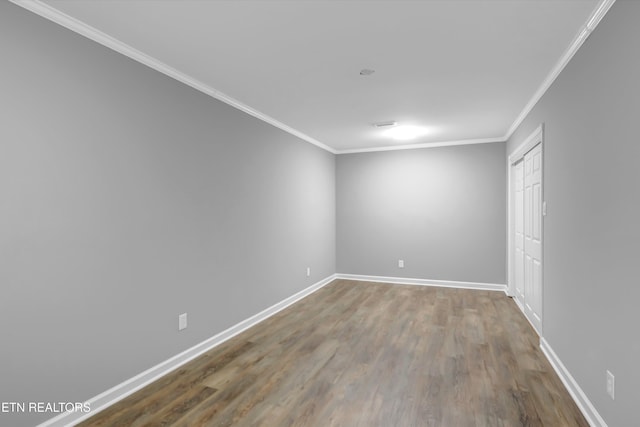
[386, 124]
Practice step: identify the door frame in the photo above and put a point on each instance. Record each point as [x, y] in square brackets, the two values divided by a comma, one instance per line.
[535, 138]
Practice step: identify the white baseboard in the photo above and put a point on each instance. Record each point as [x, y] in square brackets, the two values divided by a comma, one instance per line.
[126, 388]
[122, 390]
[425, 282]
[586, 407]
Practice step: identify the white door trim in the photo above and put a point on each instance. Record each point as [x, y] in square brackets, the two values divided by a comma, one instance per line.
[536, 137]
[517, 174]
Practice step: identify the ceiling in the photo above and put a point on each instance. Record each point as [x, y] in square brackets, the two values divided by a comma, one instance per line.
[463, 70]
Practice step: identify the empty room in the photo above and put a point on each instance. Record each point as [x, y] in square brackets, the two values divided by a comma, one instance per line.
[319, 213]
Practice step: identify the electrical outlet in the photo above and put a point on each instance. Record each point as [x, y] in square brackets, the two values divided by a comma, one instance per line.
[611, 385]
[400, 263]
[182, 321]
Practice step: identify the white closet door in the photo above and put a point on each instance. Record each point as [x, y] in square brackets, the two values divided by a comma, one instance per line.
[533, 236]
[518, 172]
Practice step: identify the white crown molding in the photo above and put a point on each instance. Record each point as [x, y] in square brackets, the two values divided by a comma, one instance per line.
[599, 12]
[61, 18]
[584, 404]
[423, 145]
[130, 386]
[53, 14]
[594, 19]
[424, 282]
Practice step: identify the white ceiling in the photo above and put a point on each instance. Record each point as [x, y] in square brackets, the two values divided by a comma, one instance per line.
[465, 69]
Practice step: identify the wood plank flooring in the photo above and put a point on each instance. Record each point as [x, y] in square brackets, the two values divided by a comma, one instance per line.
[366, 354]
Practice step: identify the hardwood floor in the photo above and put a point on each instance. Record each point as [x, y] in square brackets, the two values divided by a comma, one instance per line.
[366, 354]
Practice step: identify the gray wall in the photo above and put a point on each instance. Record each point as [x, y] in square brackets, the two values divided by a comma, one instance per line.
[441, 210]
[591, 230]
[127, 198]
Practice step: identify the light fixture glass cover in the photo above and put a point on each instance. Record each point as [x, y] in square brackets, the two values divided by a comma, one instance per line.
[405, 133]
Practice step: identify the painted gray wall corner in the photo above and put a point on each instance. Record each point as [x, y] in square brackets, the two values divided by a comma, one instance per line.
[590, 115]
[128, 198]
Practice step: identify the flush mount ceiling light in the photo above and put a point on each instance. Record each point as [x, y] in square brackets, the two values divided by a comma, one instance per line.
[405, 133]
